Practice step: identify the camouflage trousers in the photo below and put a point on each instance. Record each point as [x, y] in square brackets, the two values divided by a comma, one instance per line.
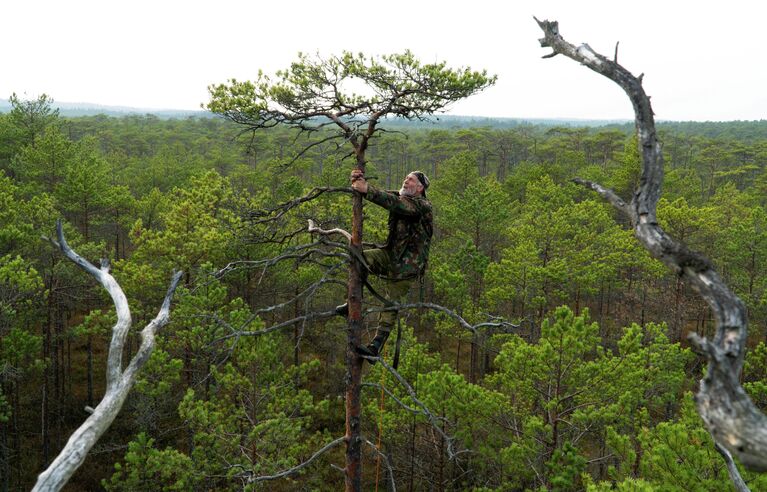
[395, 290]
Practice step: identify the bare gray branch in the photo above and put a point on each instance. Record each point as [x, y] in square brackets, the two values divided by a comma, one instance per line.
[728, 412]
[119, 382]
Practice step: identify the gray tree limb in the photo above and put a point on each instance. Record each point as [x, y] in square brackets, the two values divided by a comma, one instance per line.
[737, 480]
[312, 227]
[390, 470]
[433, 419]
[300, 466]
[729, 414]
[119, 381]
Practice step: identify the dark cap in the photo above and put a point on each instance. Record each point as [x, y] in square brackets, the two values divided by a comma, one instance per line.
[423, 179]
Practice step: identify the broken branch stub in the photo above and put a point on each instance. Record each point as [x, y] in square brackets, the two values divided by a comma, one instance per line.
[312, 228]
[729, 414]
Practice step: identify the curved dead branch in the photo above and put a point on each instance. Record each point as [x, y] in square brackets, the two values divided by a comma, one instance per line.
[732, 468]
[730, 416]
[433, 419]
[449, 312]
[312, 227]
[119, 381]
[272, 214]
[300, 466]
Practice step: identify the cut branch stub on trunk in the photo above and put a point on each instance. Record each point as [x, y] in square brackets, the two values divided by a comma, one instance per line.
[729, 414]
[119, 382]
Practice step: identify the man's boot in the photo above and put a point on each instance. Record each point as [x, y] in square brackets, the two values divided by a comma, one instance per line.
[375, 345]
[343, 310]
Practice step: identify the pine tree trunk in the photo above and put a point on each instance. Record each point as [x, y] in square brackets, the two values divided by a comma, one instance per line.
[353, 361]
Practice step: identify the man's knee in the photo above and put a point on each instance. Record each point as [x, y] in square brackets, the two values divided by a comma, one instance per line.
[377, 260]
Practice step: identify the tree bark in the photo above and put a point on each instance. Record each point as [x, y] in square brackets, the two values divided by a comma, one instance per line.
[729, 414]
[353, 361]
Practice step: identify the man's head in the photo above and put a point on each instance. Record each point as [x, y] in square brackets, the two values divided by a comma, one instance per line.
[415, 184]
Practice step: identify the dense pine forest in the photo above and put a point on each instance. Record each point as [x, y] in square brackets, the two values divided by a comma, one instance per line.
[575, 374]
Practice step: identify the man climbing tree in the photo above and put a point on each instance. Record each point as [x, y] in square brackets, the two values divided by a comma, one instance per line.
[313, 97]
[406, 252]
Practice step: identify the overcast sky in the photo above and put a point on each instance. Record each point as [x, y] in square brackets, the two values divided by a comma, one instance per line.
[702, 60]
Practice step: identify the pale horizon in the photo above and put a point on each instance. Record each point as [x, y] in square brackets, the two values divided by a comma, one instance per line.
[697, 58]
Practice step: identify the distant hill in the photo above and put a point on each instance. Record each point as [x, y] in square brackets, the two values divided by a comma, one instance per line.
[748, 130]
[439, 121]
[454, 121]
[88, 109]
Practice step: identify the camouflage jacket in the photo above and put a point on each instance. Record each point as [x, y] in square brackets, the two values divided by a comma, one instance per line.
[410, 230]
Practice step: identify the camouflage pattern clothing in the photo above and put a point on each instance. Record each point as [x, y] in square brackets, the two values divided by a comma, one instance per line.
[406, 252]
[410, 231]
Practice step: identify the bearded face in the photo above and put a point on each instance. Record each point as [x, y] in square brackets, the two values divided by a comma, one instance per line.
[411, 186]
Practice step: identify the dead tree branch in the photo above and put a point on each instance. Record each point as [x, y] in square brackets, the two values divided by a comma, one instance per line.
[298, 319]
[399, 402]
[314, 229]
[119, 381]
[272, 214]
[433, 419]
[730, 416]
[393, 486]
[737, 480]
[449, 312]
[299, 467]
[297, 253]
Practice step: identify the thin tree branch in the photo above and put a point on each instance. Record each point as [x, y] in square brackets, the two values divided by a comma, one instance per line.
[312, 228]
[298, 253]
[737, 479]
[401, 403]
[272, 214]
[442, 309]
[432, 419]
[299, 467]
[298, 319]
[392, 485]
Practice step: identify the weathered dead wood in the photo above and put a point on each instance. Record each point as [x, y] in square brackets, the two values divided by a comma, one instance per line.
[273, 214]
[730, 416]
[433, 419]
[119, 381]
[312, 227]
[300, 466]
[737, 480]
[389, 469]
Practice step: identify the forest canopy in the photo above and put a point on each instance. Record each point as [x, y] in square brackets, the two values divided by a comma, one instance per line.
[587, 383]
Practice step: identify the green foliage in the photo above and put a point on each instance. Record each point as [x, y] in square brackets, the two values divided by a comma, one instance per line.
[560, 248]
[29, 118]
[148, 468]
[399, 84]
[40, 166]
[568, 382]
[565, 468]
[755, 375]
[565, 404]
[20, 285]
[248, 417]
[681, 454]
